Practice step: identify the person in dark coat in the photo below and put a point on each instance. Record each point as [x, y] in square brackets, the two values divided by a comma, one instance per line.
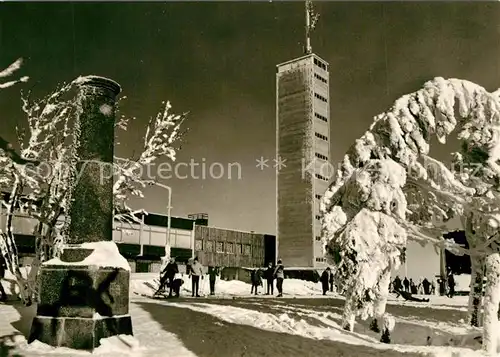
[269, 275]
[3, 268]
[397, 284]
[406, 284]
[426, 285]
[442, 286]
[325, 280]
[279, 273]
[213, 273]
[331, 281]
[256, 280]
[189, 265]
[167, 276]
[413, 287]
[176, 286]
[451, 285]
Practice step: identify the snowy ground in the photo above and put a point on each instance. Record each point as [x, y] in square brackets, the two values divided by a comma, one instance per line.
[234, 323]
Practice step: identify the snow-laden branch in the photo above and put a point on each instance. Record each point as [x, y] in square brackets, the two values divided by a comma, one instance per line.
[161, 133]
[9, 71]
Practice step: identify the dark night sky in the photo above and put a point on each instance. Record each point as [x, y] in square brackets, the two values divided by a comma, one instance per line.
[217, 61]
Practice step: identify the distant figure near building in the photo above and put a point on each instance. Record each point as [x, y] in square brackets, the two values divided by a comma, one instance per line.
[426, 285]
[397, 284]
[413, 287]
[406, 284]
[279, 273]
[188, 266]
[196, 273]
[167, 277]
[451, 285]
[269, 276]
[213, 273]
[442, 286]
[325, 280]
[331, 281]
[3, 268]
[256, 281]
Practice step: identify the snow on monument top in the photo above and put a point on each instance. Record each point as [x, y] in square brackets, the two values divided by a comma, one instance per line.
[104, 255]
[99, 82]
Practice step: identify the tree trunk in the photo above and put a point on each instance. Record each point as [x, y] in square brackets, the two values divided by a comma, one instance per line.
[350, 307]
[476, 291]
[491, 302]
[381, 300]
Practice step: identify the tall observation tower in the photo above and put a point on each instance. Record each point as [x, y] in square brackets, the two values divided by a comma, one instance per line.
[302, 142]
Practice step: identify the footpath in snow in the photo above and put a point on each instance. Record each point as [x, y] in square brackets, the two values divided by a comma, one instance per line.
[303, 313]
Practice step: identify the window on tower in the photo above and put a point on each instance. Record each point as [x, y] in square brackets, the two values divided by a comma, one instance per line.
[319, 177]
[321, 136]
[321, 156]
[317, 76]
[320, 117]
[320, 64]
[320, 97]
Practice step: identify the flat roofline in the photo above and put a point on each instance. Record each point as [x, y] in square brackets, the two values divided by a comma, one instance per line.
[237, 230]
[301, 58]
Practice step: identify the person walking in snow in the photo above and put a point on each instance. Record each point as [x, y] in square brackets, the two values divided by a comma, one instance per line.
[451, 285]
[176, 284]
[426, 285]
[442, 286]
[3, 268]
[167, 277]
[331, 281]
[213, 273]
[413, 287]
[256, 281]
[196, 272]
[325, 280]
[406, 284]
[269, 276]
[433, 287]
[279, 273]
[188, 266]
[397, 285]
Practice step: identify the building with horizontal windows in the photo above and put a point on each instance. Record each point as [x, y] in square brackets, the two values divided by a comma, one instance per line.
[229, 248]
[144, 244]
[302, 141]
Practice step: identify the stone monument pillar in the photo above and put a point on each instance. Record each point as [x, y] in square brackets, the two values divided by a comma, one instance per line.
[84, 295]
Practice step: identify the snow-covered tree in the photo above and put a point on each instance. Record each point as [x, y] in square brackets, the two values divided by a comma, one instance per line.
[389, 189]
[41, 189]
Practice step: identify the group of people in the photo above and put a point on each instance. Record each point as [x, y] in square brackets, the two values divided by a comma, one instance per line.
[269, 275]
[424, 286]
[171, 278]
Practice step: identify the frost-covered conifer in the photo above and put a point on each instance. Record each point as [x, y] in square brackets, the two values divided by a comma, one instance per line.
[389, 189]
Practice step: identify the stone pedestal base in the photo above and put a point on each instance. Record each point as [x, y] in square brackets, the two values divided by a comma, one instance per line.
[83, 299]
[78, 332]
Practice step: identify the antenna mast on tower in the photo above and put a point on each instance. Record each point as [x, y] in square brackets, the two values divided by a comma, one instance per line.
[311, 20]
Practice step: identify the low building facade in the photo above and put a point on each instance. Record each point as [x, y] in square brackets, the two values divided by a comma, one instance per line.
[229, 248]
[143, 244]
